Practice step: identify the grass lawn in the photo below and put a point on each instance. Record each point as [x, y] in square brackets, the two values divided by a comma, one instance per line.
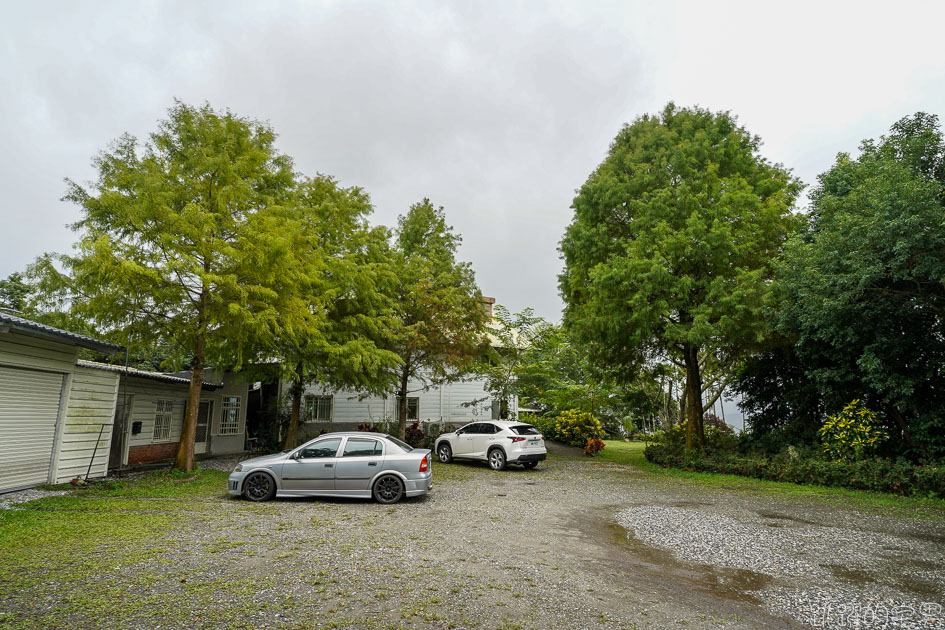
[631, 454]
[81, 542]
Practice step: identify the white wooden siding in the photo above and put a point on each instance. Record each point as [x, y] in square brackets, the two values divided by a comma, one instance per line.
[90, 407]
[438, 404]
[24, 350]
[146, 393]
[29, 412]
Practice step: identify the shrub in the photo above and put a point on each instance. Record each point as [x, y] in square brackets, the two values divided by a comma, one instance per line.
[544, 424]
[577, 427]
[876, 474]
[594, 446]
[851, 434]
[414, 435]
[369, 428]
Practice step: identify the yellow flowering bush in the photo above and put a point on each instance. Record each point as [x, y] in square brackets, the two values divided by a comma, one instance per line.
[851, 434]
[577, 427]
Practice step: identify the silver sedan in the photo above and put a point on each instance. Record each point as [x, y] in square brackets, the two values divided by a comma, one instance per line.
[350, 464]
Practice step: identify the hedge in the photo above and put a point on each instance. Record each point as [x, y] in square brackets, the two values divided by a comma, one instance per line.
[879, 475]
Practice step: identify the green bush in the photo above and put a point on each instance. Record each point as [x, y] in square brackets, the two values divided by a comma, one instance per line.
[577, 427]
[851, 434]
[898, 476]
[544, 424]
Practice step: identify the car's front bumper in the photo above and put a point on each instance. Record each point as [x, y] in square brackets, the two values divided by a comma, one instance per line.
[234, 483]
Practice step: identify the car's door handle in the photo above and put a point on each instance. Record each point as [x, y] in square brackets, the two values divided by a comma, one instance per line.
[372, 464]
[329, 465]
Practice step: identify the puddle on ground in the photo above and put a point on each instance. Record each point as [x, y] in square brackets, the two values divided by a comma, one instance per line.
[625, 553]
[785, 517]
[857, 577]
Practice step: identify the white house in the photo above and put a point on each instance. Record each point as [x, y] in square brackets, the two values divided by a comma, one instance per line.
[436, 408]
[55, 415]
[149, 415]
[61, 417]
[442, 406]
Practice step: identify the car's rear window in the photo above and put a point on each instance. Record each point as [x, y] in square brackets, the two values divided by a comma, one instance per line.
[402, 445]
[524, 429]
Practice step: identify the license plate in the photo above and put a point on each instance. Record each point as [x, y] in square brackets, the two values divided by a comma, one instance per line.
[533, 443]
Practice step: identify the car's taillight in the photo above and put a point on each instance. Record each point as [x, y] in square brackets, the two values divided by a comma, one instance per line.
[425, 464]
[516, 439]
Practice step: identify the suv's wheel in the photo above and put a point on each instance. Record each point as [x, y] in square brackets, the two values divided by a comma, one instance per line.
[497, 459]
[388, 489]
[444, 452]
[259, 486]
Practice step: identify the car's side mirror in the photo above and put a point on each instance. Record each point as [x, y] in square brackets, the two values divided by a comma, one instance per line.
[297, 455]
[459, 431]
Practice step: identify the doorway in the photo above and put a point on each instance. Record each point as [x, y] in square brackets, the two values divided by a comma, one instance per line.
[202, 435]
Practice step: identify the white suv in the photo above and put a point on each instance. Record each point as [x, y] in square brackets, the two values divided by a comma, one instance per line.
[498, 442]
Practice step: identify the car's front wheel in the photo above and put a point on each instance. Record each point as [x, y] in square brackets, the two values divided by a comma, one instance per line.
[259, 487]
[497, 459]
[388, 489]
[445, 453]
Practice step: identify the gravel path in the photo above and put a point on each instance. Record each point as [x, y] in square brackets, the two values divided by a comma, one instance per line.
[830, 575]
[573, 544]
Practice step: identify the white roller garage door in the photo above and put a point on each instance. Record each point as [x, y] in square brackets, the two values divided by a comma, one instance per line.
[29, 408]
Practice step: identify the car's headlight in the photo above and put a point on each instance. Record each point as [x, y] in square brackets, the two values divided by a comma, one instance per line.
[239, 468]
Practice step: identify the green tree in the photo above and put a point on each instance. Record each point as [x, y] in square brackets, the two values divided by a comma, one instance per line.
[188, 240]
[668, 255]
[348, 289]
[439, 315]
[510, 337]
[14, 292]
[861, 291]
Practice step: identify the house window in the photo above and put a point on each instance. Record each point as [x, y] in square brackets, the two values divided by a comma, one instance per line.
[317, 408]
[163, 409]
[230, 421]
[413, 408]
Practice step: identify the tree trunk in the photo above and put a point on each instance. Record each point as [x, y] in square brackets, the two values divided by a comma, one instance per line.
[292, 433]
[402, 402]
[185, 448]
[695, 435]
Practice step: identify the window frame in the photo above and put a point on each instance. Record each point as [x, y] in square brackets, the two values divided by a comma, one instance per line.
[416, 411]
[163, 417]
[313, 403]
[313, 445]
[376, 451]
[225, 427]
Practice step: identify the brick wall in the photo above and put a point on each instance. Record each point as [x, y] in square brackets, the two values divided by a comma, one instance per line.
[151, 453]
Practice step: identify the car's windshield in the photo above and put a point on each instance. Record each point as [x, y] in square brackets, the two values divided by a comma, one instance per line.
[524, 429]
[403, 445]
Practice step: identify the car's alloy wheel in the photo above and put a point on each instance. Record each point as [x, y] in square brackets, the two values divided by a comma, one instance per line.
[388, 489]
[259, 487]
[496, 459]
[445, 453]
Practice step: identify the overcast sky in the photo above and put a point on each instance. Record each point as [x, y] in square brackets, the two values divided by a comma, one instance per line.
[497, 111]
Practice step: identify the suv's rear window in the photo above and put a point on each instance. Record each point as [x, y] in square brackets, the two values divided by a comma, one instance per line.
[525, 429]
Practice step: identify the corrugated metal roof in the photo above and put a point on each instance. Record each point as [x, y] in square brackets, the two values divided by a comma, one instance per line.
[25, 325]
[156, 376]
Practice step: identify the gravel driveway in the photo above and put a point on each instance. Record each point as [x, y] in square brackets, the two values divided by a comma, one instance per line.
[573, 544]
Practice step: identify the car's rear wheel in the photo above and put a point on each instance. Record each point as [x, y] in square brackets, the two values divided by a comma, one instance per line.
[445, 453]
[259, 487]
[497, 459]
[388, 489]
[529, 464]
